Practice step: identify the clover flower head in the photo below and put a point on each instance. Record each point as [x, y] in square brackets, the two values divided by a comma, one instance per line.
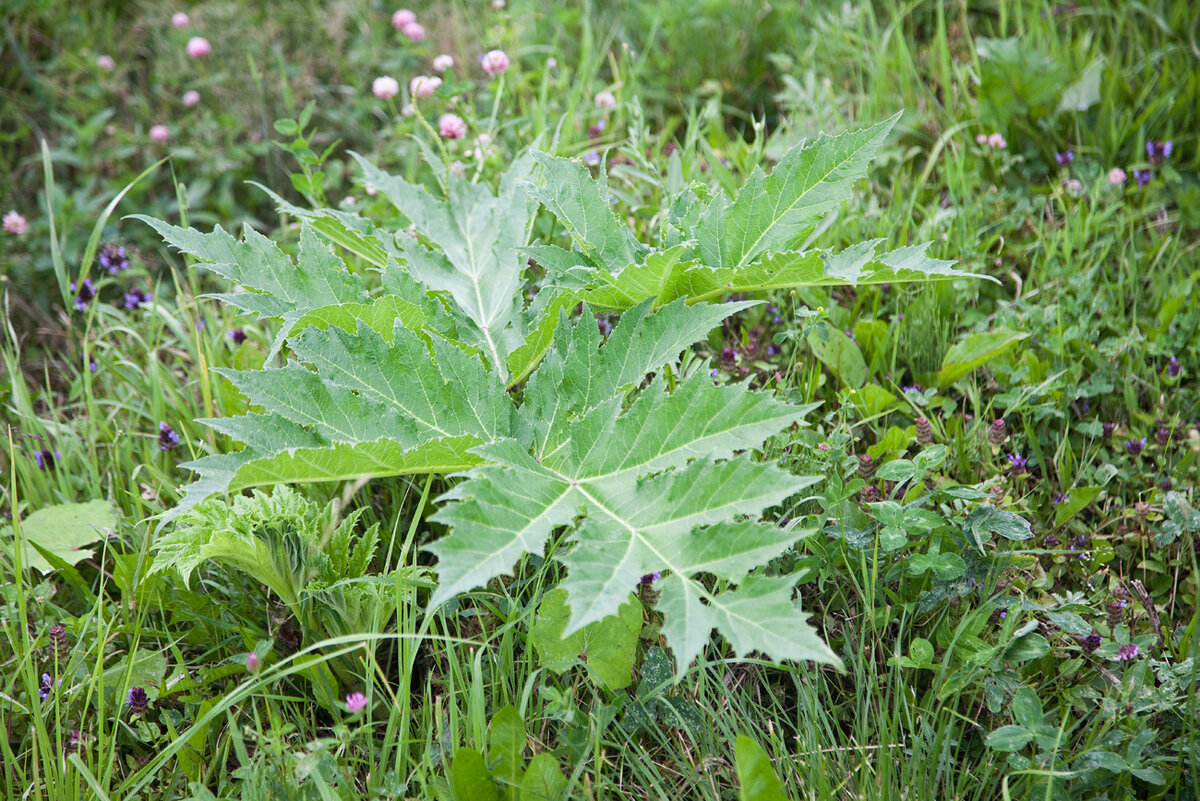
[136, 297]
[1073, 185]
[1143, 176]
[452, 126]
[160, 134]
[403, 18]
[113, 258]
[605, 100]
[85, 293]
[414, 31]
[996, 141]
[191, 98]
[180, 19]
[356, 702]
[252, 662]
[1116, 176]
[981, 139]
[15, 222]
[106, 63]
[423, 86]
[443, 62]
[167, 438]
[494, 62]
[198, 47]
[385, 87]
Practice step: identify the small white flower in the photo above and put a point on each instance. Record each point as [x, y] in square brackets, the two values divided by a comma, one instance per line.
[605, 100]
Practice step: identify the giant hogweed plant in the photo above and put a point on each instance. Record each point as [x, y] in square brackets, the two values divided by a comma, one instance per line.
[635, 457]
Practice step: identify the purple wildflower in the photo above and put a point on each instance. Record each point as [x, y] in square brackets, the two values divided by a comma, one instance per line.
[1109, 428]
[1143, 176]
[45, 459]
[1064, 158]
[47, 686]
[167, 438]
[1165, 484]
[1091, 642]
[914, 388]
[1173, 367]
[1134, 446]
[238, 336]
[136, 297]
[137, 700]
[1127, 652]
[86, 293]
[252, 662]
[591, 158]
[1158, 152]
[112, 258]
[1060, 497]
[650, 578]
[1017, 462]
[1051, 541]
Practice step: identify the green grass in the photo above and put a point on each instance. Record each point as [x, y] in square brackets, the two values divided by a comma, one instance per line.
[1101, 278]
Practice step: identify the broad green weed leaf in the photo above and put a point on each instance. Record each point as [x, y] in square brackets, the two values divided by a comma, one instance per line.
[1076, 500]
[756, 776]
[506, 749]
[975, 351]
[607, 647]
[1009, 738]
[62, 530]
[772, 212]
[581, 204]
[470, 776]
[543, 780]
[657, 489]
[276, 284]
[479, 237]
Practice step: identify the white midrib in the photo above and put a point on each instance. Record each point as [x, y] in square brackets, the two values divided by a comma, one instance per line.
[485, 325]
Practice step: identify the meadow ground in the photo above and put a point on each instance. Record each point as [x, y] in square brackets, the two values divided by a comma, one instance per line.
[579, 423]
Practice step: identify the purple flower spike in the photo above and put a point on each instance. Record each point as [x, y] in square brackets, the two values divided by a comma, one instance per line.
[1018, 463]
[86, 293]
[45, 459]
[137, 700]
[1143, 176]
[167, 438]
[1158, 152]
[1134, 446]
[113, 258]
[1127, 652]
[136, 297]
[238, 336]
[1064, 158]
[1173, 367]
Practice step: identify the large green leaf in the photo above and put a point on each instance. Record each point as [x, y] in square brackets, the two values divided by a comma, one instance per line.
[772, 212]
[365, 405]
[607, 648]
[756, 776]
[672, 274]
[581, 204]
[975, 351]
[657, 490]
[62, 530]
[477, 260]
